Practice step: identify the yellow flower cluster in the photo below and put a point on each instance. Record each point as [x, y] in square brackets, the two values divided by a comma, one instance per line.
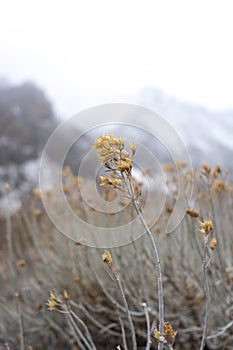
[53, 303]
[112, 154]
[57, 303]
[206, 227]
[110, 181]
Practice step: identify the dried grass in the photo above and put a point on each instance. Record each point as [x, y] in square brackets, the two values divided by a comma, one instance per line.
[36, 258]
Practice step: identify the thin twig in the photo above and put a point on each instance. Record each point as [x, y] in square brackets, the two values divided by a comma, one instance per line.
[131, 326]
[222, 331]
[123, 334]
[110, 298]
[10, 245]
[22, 345]
[207, 295]
[147, 327]
[78, 331]
[158, 270]
[156, 259]
[89, 337]
[103, 329]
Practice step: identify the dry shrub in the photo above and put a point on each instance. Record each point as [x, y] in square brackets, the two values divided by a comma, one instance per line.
[36, 259]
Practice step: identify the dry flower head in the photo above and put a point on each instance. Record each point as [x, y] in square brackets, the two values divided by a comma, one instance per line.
[37, 212]
[112, 154]
[106, 257]
[213, 243]
[168, 168]
[218, 186]
[56, 303]
[118, 163]
[104, 180]
[206, 169]
[66, 295]
[193, 213]
[132, 147]
[52, 302]
[206, 227]
[21, 263]
[36, 192]
[167, 336]
[216, 171]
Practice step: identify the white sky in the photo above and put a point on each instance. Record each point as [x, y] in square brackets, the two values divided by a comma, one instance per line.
[89, 52]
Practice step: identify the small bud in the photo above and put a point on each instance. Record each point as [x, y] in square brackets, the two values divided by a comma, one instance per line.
[37, 212]
[213, 243]
[132, 147]
[36, 192]
[66, 295]
[21, 263]
[106, 257]
[217, 170]
[168, 168]
[218, 186]
[193, 213]
[8, 186]
[206, 169]
[169, 209]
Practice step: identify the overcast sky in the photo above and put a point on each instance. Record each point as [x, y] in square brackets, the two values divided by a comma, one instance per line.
[90, 52]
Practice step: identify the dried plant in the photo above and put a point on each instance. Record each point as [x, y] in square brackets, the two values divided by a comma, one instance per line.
[36, 258]
[118, 162]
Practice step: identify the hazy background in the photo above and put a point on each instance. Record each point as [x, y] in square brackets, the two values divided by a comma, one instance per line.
[60, 57]
[89, 52]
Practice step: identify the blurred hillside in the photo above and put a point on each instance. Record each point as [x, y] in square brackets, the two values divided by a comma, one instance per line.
[207, 134]
[27, 119]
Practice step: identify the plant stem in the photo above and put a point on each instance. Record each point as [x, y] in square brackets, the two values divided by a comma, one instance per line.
[207, 296]
[147, 326]
[22, 345]
[133, 335]
[155, 256]
[123, 334]
[158, 269]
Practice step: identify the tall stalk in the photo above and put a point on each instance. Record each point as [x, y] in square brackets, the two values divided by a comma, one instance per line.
[207, 296]
[118, 163]
[158, 269]
[206, 229]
